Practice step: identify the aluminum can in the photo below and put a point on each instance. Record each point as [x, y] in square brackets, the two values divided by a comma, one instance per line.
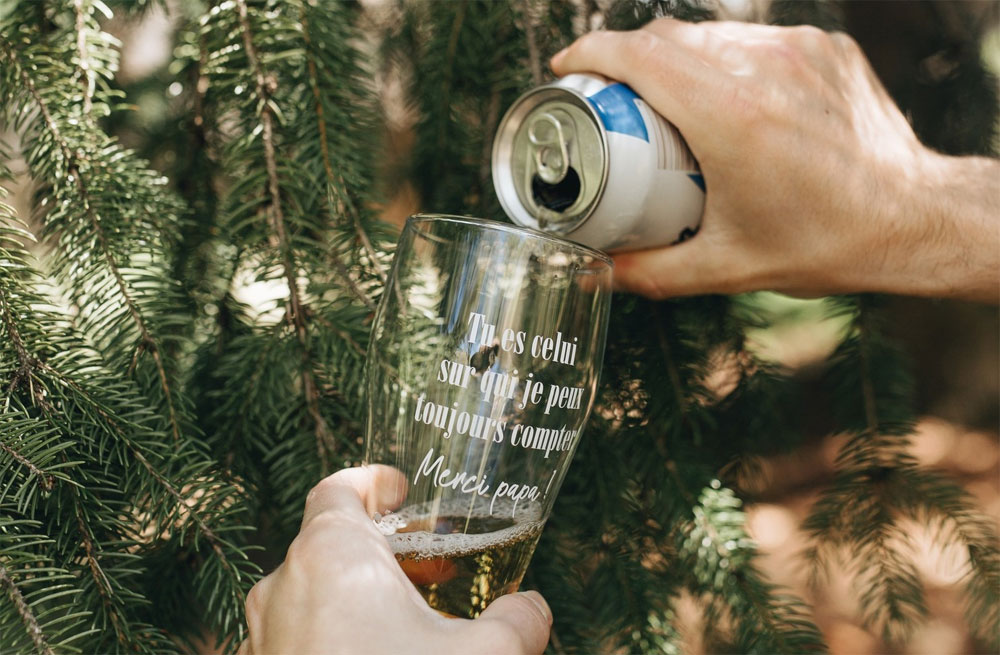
[586, 158]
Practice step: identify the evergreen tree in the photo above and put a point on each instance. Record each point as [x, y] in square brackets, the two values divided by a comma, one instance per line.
[155, 430]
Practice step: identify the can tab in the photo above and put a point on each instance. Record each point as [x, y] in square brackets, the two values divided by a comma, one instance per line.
[550, 152]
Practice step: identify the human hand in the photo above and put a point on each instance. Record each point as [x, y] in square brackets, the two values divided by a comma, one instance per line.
[816, 183]
[341, 590]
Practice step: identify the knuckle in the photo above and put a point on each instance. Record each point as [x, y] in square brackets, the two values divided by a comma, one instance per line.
[790, 52]
[845, 43]
[256, 600]
[803, 45]
[331, 480]
[642, 48]
[809, 36]
[592, 44]
[304, 549]
[327, 539]
[321, 489]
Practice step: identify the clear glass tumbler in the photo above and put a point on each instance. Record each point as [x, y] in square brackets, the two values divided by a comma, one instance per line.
[482, 369]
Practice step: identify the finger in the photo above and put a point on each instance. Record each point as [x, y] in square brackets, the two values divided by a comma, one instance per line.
[358, 492]
[686, 269]
[349, 535]
[676, 82]
[525, 614]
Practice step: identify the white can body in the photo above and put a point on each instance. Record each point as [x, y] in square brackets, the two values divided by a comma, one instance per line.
[652, 192]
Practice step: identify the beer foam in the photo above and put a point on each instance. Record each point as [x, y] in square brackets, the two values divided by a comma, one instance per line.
[421, 544]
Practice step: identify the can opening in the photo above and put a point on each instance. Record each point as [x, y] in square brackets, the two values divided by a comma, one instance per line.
[556, 197]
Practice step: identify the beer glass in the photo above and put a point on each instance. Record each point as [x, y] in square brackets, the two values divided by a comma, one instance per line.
[482, 369]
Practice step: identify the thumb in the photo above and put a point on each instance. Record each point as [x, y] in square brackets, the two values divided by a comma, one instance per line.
[525, 614]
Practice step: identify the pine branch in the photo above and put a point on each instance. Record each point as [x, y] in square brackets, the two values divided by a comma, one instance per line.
[24, 611]
[931, 498]
[26, 364]
[136, 452]
[96, 571]
[295, 314]
[181, 508]
[67, 168]
[720, 555]
[464, 56]
[344, 205]
[43, 445]
[878, 483]
[45, 479]
[660, 325]
[76, 444]
[37, 610]
[35, 455]
[319, 123]
[87, 76]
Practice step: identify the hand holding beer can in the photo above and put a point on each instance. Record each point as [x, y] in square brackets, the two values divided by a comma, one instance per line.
[482, 369]
[587, 159]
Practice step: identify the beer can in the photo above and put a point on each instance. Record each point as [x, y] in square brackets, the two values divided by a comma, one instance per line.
[587, 159]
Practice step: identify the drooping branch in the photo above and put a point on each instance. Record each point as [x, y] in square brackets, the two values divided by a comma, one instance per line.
[671, 364]
[47, 481]
[97, 573]
[25, 362]
[169, 487]
[755, 603]
[147, 341]
[295, 315]
[86, 73]
[864, 357]
[335, 181]
[28, 617]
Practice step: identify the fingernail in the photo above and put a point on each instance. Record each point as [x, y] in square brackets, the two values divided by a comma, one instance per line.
[540, 603]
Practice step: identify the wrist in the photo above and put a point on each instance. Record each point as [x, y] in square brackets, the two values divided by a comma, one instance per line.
[941, 235]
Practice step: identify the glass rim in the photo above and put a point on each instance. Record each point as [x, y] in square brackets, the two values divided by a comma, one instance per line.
[515, 229]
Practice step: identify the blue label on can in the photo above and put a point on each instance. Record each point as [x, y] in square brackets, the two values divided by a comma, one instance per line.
[619, 112]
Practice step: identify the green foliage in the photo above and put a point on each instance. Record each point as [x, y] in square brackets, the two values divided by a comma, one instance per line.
[152, 416]
[284, 398]
[466, 61]
[637, 525]
[720, 555]
[104, 472]
[862, 516]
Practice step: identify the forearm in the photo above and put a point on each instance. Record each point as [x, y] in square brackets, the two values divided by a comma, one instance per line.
[946, 237]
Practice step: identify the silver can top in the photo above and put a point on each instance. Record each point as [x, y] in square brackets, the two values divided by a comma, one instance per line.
[550, 160]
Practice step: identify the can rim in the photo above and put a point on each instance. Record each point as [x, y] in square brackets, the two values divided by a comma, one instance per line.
[552, 88]
[515, 229]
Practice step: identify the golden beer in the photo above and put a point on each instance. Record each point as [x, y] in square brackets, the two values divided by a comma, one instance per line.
[460, 563]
